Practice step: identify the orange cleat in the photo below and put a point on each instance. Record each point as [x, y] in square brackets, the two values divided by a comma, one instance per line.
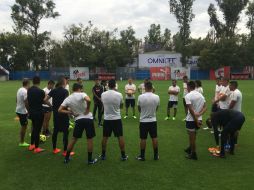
[38, 150]
[31, 147]
[56, 151]
[71, 154]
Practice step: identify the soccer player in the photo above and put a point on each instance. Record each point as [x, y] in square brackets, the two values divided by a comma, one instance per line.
[141, 87]
[112, 102]
[231, 122]
[235, 97]
[224, 95]
[35, 99]
[78, 105]
[97, 91]
[21, 111]
[199, 86]
[130, 90]
[196, 108]
[185, 92]
[148, 104]
[61, 121]
[47, 109]
[173, 92]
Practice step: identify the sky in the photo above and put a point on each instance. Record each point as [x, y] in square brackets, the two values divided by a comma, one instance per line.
[111, 14]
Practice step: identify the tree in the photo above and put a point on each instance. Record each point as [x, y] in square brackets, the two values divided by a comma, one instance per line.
[231, 10]
[153, 41]
[182, 9]
[27, 15]
[166, 40]
[250, 14]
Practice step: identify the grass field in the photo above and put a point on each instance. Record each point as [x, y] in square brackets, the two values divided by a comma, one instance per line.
[21, 169]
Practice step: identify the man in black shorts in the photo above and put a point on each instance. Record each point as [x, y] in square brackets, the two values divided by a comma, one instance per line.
[148, 104]
[112, 102]
[97, 91]
[130, 90]
[21, 111]
[35, 99]
[78, 105]
[231, 121]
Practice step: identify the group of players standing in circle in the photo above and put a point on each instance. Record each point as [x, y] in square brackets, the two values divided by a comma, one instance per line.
[36, 104]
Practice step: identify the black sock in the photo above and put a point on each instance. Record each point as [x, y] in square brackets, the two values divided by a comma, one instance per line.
[123, 153]
[90, 156]
[103, 153]
[68, 154]
[142, 153]
[156, 151]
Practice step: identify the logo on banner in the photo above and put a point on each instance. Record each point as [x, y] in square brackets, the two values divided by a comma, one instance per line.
[179, 73]
[219, 73]
[78, 74]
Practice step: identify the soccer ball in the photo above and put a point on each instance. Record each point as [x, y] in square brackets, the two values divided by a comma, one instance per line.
[43, 138]
[129, 92]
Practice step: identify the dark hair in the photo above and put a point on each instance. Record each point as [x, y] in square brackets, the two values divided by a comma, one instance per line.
[185, 77]
[174, 80]
[234, 83]
[60, 81]
[36, 80]
[112, 83]
[25, 82]
[149, 85]
[51, 82]
[76, 87]
[225, 79]
[67, 78]
[198, 83]
[79, 79]
[191, 85]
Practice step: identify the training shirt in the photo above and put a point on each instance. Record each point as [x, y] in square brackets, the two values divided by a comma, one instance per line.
[185, 90]
[98, 90]
[47, 91]
[148, 102]
[130, 87]
[112, 100]
[58, 95]
[200, 90]
[76, 102]
[225, 104]
[237, 97]
[217, 91]
[172, 97]
[21, 97]
[35, 97]
[197, 101]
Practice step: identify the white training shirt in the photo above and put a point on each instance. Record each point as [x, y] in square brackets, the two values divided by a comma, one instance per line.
[67, 87]
[112, 101]
[172, 97]
[200, 90]
[142, 87]
[225, 104]
[47, 91]
[21, 97]
[148, 103]
[237, 97]
[130, 87]
[185, 90]
[76, 102]
[217, 91]
[197, 101]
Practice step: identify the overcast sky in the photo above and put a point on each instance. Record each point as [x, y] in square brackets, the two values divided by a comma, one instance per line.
[110, 14]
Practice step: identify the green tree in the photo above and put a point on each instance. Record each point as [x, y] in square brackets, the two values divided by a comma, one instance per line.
[250, 14]
[27, 15]
[153, 41]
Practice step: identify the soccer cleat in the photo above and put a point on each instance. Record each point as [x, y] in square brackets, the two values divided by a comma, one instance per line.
[65, 152]
[156, 157]
[212, 132]
[124, 158]
[125, 117]
[100, 126]
[205, 128]
[31, 147]
[167, 118]
[56, 151]
[192, 156]
[91, 162]
[24, 144]
[173, 118]
[102, 157]
[139, 158]
[38, 150]
[134, 117]
[184, 119]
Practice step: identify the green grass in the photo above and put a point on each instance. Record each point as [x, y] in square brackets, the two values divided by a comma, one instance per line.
[21, 169]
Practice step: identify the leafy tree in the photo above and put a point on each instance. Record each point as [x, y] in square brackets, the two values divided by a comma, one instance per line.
[27, 15]
[153, 41]
[250, 14]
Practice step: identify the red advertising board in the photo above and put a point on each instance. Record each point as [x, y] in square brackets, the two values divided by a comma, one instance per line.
[221, 72]
[160, 73]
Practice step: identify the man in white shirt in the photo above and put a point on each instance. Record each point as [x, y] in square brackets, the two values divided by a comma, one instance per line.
[196, 108]
[141, 87]
[112, 102]
[47, 110]
[224, 95]
[78, 105]
[235, 97]
[21, 111]
[185, 92]
[173, 92]
[148, 104]
[130, 90]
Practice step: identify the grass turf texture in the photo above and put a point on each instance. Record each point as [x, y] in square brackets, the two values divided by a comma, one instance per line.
[21, 169]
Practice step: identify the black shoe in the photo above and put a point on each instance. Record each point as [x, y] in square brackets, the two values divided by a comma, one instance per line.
[94, 161]
[100, 126]
[188, 150]
[102, 157]
[67, 160]
[156, 157]
[192, 156]
[140, 158]
[124, 158]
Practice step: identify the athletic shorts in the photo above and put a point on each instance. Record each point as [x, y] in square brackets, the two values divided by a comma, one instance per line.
[23, 119]
[47, 109]
[215, 108]
[191, 126]
[184, 102]
[148, 127]
[114, 126]
[130, 102]
[172, 104]
[61, 122]
[84, 124]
